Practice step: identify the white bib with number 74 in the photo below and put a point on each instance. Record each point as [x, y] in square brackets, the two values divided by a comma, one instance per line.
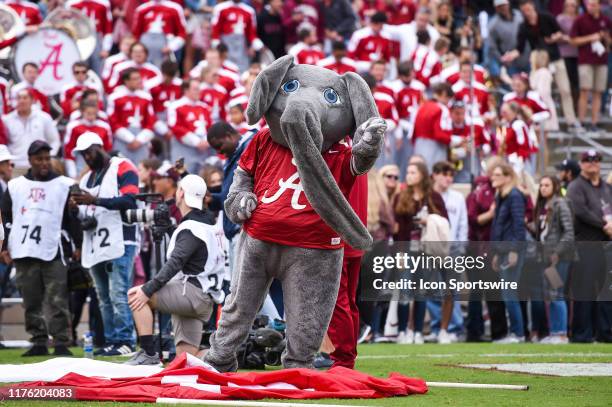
[38, 209]
[105, 241]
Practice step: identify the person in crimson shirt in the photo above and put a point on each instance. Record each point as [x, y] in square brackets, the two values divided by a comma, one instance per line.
[30, 73]
[131, 116]
[28, 11]
[338, 61]
[528, 98]
[229, 76]
[234, 24]
[460, 152]
[425, 59]
[307, 51]
[433, 126]
[87, 123]
[112, 61]
[164, 91]
[378, 70]
[591, 34]
[517, 141]
[386, 108]
[298, 12]
[99, 12]
[189, 119]
[138, 59]
[5, 106]
[370, 44]
[70, 97]
[451, 74]
[343, 327]
[161, 26]
[480, 105]
[213, 94]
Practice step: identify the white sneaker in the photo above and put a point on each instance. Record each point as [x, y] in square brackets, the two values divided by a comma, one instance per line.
[555, 340]
[405, 337]
[431, 338]
[510, 339]
[418, 338]
[445, 338]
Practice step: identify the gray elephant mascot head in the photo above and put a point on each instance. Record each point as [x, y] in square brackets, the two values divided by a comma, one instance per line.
[308, 109]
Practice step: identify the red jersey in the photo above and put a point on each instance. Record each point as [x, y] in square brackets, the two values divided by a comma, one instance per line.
[306, 54]
[433, 122]
[147, 71]
[215, 97]
[40, 99]
[230, 17]
[408, 97]
[109, 67]
[75, 128]
[163, 93]
[385, 87]
[451, 75]
[386, 108]
[518, 139]
[283, 214]
[400, 11]
[127, 109]
[165, 17]
[462, 131]
[480, 105]
[27, 11]
[365, 45]
[72, 92]
[238, 97]
[188, 120]
[533, 101]
[426, 63]
[340, 67]
[99, 12]
[5, 108]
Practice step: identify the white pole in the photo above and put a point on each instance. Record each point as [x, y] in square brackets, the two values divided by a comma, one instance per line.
[478, 386]
[242, 403]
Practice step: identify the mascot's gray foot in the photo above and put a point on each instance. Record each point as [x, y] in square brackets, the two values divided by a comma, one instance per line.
[222, 367]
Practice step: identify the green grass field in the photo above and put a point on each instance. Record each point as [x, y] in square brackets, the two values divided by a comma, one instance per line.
[435, 363]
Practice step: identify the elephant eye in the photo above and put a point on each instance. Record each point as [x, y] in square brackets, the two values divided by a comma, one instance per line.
[331, 96]
[291, 86]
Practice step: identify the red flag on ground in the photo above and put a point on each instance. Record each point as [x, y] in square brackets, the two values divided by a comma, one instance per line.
[189, 378]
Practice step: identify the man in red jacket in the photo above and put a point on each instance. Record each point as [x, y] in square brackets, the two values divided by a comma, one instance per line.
[433, 126]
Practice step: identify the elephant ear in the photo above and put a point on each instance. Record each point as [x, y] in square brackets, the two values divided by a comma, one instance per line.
[361, 99]
[266, 86]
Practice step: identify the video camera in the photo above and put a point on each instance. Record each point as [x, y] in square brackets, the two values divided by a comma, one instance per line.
[264, 346]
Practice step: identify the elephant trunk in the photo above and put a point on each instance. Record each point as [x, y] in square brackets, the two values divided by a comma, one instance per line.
[301, 126]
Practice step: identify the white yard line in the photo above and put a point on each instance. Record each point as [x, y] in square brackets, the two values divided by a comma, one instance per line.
[492, 355]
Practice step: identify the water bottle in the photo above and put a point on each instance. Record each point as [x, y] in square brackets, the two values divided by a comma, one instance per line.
[88, 346]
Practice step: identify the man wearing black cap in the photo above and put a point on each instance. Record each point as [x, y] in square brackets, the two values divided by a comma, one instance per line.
[591, 199]
[35, 211]
[567, 171]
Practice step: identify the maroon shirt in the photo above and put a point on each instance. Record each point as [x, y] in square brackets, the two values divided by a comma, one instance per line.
[584, 25]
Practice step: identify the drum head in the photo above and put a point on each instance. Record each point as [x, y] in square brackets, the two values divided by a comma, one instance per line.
[54, 52]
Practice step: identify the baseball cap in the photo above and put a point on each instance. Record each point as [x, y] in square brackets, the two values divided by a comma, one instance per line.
[195, 190]
[167, 170]
[38, 146]
[569, 165]
[86, 140]
[5, 154]
[497, 3]
[591, 155]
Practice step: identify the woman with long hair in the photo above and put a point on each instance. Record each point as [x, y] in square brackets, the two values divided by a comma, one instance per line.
[554, 229]
[390, 175]
[508, 226]
[411, 206]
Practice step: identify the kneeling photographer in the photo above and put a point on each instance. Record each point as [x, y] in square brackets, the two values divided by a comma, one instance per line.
[188, 285]
[109, 245]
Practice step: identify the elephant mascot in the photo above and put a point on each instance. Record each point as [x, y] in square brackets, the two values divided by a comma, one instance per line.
[306, 150]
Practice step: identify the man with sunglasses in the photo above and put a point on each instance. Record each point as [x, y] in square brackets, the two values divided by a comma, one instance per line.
[72, 93]
[591, 199]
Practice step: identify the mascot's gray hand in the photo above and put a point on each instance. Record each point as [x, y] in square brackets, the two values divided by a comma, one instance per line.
[248, 203]
[369, 136]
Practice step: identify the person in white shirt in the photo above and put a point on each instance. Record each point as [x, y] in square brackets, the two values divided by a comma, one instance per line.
[406, 33]
[25, 125]
[448, 313]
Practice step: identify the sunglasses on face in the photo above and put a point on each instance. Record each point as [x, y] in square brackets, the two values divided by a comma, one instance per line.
[591, 160]
[391, 176]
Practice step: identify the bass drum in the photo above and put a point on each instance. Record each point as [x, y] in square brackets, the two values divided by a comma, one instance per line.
[54, 52]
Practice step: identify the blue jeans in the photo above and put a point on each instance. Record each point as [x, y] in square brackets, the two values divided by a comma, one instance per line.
[403, 313]
[558, 306]
[510, 296]
[112, 287]
[455, 324]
